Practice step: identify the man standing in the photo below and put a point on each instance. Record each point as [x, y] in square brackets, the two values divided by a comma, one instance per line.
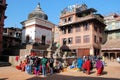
[51, 61]
[44, 63]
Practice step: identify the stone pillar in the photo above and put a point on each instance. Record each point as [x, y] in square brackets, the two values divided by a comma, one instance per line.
[115, 55]
[49, 54]
[65, 56]
[109, 56]
[102, 53]
[49, 51]
[55, 60]
[92, 51]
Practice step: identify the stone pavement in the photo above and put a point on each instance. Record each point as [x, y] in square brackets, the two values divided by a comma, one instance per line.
[111, 72]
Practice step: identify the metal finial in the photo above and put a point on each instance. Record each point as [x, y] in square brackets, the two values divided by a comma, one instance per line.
[38, 6]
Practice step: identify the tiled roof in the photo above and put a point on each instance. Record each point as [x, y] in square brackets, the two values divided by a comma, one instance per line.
[113, 44]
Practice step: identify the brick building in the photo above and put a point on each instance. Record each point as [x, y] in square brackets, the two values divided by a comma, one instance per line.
[81, 30]
[11, 37]
[3, 6]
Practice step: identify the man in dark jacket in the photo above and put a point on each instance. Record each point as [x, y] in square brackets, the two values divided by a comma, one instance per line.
[51, 61]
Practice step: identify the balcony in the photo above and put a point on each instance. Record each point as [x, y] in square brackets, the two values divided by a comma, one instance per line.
[85, 18]
[89, 17]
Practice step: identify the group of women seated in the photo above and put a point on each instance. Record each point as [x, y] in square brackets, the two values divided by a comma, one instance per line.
[34, 65]
[86, 64]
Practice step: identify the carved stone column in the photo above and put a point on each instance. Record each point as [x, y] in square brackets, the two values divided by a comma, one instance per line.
[49, 51]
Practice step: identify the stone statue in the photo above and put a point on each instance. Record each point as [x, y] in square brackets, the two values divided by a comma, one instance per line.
[65, 55]
[49, 51]
[57, 53]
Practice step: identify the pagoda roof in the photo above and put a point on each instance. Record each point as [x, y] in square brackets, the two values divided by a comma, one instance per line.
[113, 44]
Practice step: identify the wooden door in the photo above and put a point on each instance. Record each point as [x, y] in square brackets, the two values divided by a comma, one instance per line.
[83, 52]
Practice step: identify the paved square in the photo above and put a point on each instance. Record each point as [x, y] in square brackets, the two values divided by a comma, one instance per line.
[111, 72]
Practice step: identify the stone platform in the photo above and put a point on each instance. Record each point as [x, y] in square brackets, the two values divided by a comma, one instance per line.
[3, 64]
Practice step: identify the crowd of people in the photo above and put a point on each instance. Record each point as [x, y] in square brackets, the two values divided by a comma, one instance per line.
[37, 66]
[87, 63]
[44, 66]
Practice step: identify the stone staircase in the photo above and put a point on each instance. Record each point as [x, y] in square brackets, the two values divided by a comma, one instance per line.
[3, 64]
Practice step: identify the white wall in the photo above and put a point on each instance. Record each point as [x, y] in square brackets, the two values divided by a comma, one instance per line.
[28, 31]
[23, 36]
[36, 31]
[41, 31]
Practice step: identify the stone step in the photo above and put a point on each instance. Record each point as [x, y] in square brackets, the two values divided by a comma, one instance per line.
[2, 64]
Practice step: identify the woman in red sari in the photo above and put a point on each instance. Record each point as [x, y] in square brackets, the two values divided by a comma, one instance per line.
[87, 65]
[23, 65]
[19, 67]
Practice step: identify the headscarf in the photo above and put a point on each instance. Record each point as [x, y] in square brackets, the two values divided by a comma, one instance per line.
[99, 64]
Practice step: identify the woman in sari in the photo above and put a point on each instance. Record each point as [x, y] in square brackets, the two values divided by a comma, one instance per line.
[79, 63]
[99, 66]
[86, 66]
